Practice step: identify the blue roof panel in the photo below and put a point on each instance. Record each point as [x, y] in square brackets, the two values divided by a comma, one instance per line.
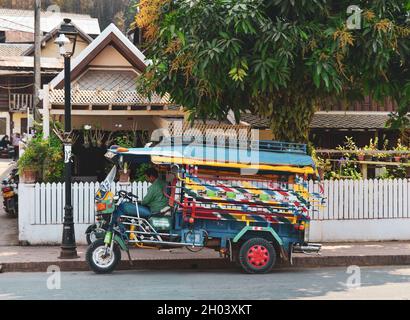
[220, 154]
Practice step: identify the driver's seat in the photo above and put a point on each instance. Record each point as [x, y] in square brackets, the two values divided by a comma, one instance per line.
[165, 212]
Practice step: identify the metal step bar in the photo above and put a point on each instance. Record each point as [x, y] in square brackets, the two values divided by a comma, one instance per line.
[182, 244]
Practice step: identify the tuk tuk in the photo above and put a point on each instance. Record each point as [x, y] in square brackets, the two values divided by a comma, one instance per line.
[255, 214]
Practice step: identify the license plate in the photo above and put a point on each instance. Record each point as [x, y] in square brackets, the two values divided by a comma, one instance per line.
[8, 194]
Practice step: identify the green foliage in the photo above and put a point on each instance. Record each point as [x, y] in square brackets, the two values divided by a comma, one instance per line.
[394, 173]
[45, 156]
[400, 146]
[277, 58]
[140, 171]
[125, 140]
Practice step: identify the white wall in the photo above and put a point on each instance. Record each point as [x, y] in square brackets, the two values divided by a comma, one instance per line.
[48, 234]
[360, 230]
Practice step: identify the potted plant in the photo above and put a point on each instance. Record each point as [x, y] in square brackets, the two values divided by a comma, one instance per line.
[384, 156]
[399, 149]
[360, 155]
[42, 160]
[28, 174]
[124, 174]
[29, 164]
[370, 148]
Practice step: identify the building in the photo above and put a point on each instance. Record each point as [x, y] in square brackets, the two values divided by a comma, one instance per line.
[330, 125]
[105, 100]
[17, 61]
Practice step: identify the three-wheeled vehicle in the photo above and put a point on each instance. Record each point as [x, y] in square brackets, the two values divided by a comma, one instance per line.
[255, 213]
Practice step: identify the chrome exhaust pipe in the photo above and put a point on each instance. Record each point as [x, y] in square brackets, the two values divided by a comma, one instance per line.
[308, 248]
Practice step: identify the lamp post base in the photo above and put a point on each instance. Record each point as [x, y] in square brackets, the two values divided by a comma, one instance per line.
[68, 253]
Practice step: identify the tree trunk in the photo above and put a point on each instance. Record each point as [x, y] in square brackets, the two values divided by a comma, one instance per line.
[290, 117]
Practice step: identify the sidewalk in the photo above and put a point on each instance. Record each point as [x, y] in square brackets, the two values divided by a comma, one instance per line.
[37, 259]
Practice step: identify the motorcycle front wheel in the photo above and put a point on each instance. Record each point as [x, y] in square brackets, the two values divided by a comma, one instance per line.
[101, 259]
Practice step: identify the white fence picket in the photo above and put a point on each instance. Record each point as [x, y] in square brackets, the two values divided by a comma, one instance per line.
[372, 189]
[385, 195]
[43, 209]
[82, 201]
[37, 202]
[360, 199]
[345, 200]
[399, 197]
[74, 197]
[390, 190]
[367, 197]
[59, 202]
[329, 195]
[356, 199]
[53, 213]
[334, 207]
[378, 199]
[406, 208]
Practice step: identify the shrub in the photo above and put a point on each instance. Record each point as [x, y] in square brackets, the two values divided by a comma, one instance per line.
[45, 156]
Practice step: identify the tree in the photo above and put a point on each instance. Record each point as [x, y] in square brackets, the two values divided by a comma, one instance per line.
[278, 58]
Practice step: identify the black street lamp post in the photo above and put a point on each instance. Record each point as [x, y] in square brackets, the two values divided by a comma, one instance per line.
[67, 37]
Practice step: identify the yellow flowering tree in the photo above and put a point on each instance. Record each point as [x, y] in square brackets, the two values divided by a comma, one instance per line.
[278, 58]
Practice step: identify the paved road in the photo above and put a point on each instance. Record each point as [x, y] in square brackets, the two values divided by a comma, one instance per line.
[325, 283]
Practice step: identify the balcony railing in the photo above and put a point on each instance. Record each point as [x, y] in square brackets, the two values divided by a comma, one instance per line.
[19, 102]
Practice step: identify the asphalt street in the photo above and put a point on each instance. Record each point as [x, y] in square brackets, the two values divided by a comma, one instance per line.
[321, 283]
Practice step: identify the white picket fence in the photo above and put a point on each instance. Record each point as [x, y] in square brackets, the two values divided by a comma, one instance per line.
[354, 210]
[364, 199]
[47, 200]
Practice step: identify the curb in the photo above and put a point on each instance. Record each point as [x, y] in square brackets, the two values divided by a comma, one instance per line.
[209, 264]
[151, 264]
[344, 261]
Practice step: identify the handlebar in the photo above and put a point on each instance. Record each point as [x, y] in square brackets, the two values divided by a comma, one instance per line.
[127, 195]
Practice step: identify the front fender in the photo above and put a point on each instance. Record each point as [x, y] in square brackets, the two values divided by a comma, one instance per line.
[91, 228]
[118, 239]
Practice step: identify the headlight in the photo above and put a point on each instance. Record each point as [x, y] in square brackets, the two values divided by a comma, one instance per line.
[110, 155]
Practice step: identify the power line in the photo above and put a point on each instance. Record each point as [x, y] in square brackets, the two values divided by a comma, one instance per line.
[19, 24]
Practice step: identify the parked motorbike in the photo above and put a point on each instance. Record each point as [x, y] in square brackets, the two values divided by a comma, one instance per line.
[7, 152]
[97, 230]
[9, 192]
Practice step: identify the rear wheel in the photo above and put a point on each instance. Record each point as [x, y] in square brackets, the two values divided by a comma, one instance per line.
[101, 259]
[257, 255]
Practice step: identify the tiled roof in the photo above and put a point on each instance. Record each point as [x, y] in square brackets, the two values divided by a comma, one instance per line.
[114, 36]
[23, 62]
[12, 49]
[108, 80]
[255, 121]
[368, 120]
[23, 20]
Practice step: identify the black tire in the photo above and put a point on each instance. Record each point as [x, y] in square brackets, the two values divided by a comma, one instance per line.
[257, 255]
[94, 235]
[94, 249]
[88, 237]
